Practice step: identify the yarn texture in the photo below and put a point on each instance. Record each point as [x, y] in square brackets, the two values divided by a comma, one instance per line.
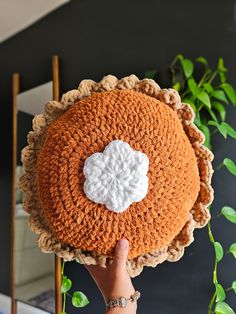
[159, 195]
[117, 177]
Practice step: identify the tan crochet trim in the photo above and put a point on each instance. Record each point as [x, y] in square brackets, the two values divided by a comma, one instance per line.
[199, 215]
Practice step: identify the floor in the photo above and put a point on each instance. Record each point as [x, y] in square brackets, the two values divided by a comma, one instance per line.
[34, 289]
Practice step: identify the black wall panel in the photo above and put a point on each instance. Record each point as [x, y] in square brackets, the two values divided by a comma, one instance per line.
[94, 38]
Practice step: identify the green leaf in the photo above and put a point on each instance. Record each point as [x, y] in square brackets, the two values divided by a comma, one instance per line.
[187, 66]
[221, 67]
[203, 96]
[177, 86]
[223, 77]
[220, 128]
[190, 102]
[208, 87]
[66, 284]
[229, 213]
[224, 128]
[79, 299]
[63, 313]
[230, 131]
[234, 286]
[207, 134]
[219, 251]
[180, 56]
[229, 91]
[204, 120]
[197, 119]
[220, 108]
[150, 74]
[232, 250]
[193, 86]
[223, 308]
[221, 70]
[203, 61]
[212, 114]
[220, 293]
[220, 95]
[230, 165]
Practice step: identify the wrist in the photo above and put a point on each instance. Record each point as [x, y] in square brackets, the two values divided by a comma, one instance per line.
[116, 294]
[123, 304]
[130, 309]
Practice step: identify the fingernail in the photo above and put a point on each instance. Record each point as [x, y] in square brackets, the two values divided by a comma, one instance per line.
[123, 243]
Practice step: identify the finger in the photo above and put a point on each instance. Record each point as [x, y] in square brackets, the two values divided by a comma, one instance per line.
[121, 254]
[89, 267]
[92, 269]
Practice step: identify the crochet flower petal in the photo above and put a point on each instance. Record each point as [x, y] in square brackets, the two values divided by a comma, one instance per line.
[122, 178]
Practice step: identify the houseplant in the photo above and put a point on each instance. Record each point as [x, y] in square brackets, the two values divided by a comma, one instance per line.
[209, 96]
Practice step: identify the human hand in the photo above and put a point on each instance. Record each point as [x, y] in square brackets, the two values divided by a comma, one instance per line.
[113, 281]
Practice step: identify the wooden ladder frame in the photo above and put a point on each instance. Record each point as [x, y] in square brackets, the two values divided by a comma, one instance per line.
[58, 263]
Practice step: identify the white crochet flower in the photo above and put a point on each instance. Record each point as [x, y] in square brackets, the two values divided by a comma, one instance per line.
[117, 177]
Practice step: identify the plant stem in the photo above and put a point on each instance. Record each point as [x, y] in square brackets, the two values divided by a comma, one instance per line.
[174, 61]
[172, 70]
[64, 302]
[210, 232]
[215, 273]
[184, 94]
[62, 268]
[215, 280]
[202, 80]
[213, 76]
[200, 107]
[211, 304]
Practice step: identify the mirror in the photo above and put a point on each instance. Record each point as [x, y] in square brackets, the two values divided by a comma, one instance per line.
[33, 270]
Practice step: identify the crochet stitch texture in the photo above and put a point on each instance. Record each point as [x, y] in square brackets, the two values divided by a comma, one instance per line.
[116, 177]
[84, 122]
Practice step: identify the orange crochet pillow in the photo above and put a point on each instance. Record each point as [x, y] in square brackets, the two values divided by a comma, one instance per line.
[114, 159]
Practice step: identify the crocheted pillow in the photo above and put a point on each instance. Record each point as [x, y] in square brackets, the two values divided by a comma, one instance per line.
[114, 159]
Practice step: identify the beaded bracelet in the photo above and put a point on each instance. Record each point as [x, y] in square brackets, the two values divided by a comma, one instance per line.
[122, 301]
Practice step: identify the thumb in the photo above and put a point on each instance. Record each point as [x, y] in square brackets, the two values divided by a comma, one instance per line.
[121, 254]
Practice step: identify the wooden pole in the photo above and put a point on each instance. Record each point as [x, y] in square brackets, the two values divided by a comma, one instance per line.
[58, 263]
[15, 92]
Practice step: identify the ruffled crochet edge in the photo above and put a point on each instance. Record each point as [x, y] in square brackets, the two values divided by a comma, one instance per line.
[198, 216]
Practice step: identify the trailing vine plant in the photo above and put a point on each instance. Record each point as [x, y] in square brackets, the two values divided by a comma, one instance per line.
[209, 95]
[78, 298]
